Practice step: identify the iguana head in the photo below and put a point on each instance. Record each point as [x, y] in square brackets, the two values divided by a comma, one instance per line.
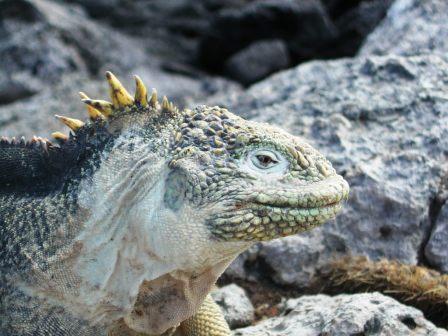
[237, 180]
[251, 181]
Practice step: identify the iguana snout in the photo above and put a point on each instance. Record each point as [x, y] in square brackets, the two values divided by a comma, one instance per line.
[270, 213]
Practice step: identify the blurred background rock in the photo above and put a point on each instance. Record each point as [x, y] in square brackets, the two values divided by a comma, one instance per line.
[365, 81]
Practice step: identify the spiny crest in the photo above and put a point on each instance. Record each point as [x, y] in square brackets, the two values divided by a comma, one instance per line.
[94, 113]
[24, 162]
[141, 94]
[34, 143]
[121, 101]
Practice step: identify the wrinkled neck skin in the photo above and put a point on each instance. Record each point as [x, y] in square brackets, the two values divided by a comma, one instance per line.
[133, 236]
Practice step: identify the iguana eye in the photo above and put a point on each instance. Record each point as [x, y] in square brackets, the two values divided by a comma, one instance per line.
[264, 159]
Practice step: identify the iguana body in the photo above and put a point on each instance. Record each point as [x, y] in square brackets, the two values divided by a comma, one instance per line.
[124, 227]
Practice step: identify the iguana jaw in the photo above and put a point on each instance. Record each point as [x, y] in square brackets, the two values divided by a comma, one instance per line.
[270, 214]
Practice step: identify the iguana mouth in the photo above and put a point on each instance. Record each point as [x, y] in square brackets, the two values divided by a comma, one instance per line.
[267, 216]
[324, 193]
[264, 222]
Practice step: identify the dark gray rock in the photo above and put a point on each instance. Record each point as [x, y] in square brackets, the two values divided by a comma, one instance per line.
[382, 122]
[436, 250]
[411, 27]
[303, 24]
[237, 269]
[16, 86]
[236, 306]
[257, 61]
[182, 17]
[30, 53]
[35, 115]
[343, 315]
[293, 259]
[354, 21]
[41, 41]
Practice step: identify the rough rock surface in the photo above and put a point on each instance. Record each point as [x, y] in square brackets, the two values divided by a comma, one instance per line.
[354, 23]
[60, 40]
[437, 249]
[236, 306]
[382, 122]
[343, 315]
[257, 61]
[293, 259]
[411, 27]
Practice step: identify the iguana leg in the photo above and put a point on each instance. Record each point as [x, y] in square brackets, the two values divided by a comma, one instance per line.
[208, 321]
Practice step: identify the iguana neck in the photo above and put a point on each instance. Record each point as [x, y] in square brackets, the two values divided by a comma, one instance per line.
[35, 225]
[40, 218]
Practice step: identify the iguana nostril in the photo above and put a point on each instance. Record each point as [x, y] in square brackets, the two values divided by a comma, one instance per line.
[324, 169]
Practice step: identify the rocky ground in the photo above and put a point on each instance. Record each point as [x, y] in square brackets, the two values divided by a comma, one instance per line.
[364, 81]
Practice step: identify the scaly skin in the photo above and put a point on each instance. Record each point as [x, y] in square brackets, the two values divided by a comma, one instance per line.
[208, 320]
[124, 227]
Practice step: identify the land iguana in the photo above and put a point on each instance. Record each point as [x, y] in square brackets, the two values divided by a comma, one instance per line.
[123, 226]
